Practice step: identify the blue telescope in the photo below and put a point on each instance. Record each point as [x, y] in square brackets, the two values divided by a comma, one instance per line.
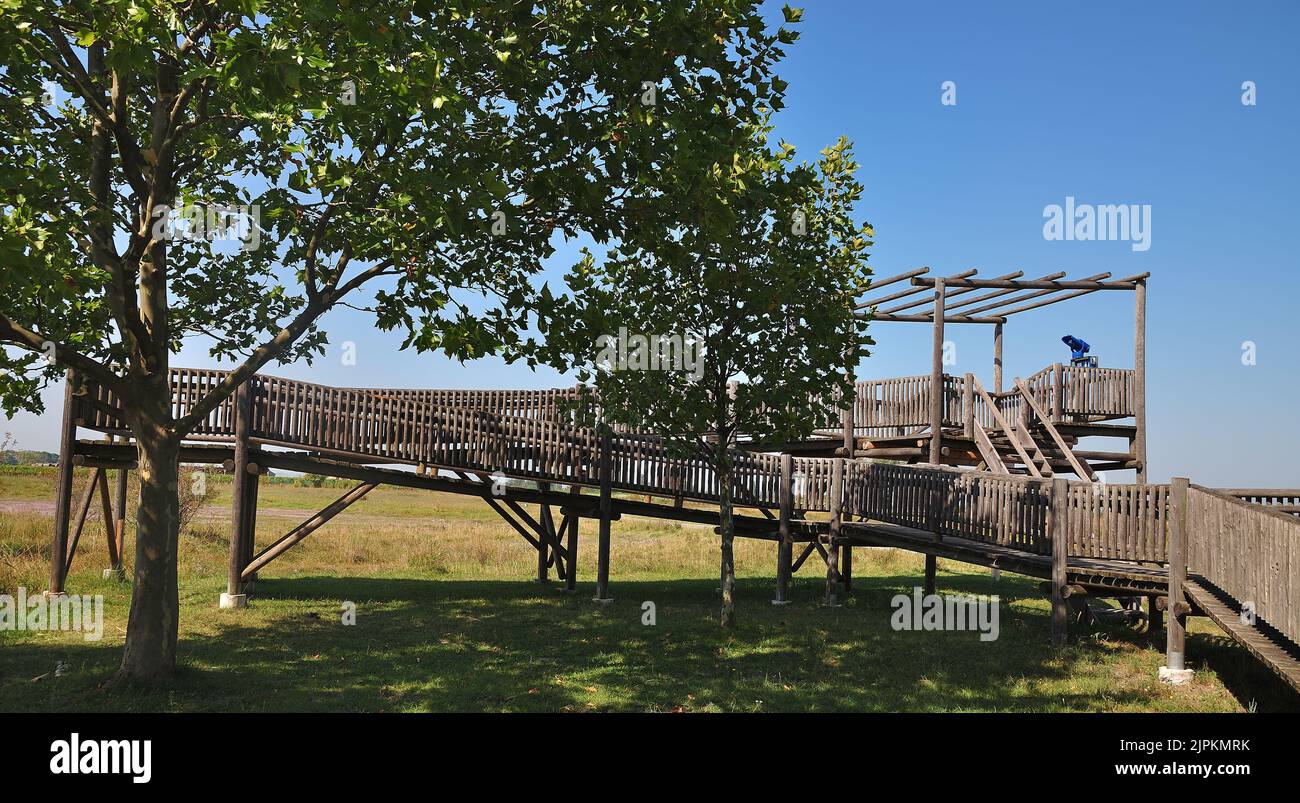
[1079, 351]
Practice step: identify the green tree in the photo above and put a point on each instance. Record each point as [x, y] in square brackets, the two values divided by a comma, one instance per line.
[754, 263]
[427, 153]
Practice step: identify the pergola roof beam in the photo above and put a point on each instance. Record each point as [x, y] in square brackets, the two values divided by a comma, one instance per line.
[1000, 293]
[911, 291]
[1032, 284]
[928, 317]
[1028, 296]
[1075, 294]
[930, 300]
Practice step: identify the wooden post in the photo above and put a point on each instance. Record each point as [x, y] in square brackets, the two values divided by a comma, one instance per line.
[110, 532]
[63, 497]
[571, 580]
[1176, 630]
[1058, 393]
[968, 405]
[784, 545]
[850, 442]
[1140, 380]
[931, 567]
[254, 480]
[833, 546]
[606, 510]
[543, 543]
[936, 376]
[846, 568]
[1155, 616]
[997, 358]
[233, 597]
[1057, 528]
[119, 523]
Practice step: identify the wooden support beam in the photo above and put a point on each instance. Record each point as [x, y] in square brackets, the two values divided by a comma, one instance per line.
[110, 531]
[1140, 380]
[519, 528]
[928, 318]
[84, 510]
[545, 528]
[1032, 284]
[924, 301]
[808, 549]
[1000, 293]
[833, 538]
[784, 546]
[1176, 630]
[1058, 531]
[931, 569]
[571, 582]
[605, 472]
[119, 522]
[299, 533]
[239, 493]
[63, 492]
[936, 374]
[846, 568]
[876, 285]
[997, 358]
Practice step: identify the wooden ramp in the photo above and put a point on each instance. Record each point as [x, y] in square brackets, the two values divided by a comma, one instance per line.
[1097, 576]
[1271, 649]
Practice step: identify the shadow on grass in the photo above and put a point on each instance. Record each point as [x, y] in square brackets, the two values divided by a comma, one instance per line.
[421, 645]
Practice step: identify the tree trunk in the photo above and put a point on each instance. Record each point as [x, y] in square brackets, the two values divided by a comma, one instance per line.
[151, 631]
[728, 616]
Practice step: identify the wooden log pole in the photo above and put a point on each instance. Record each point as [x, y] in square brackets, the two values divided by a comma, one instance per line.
[110, 531]
[299, 533]
[836, 525]
[1176, 630]
[1058, 393]
[785, 542]
[997, 358]
[233, 597]
[936, 376]
[254, 480]
[606, 472]
[931, 569]
[968, 405]
[1155, 616]
[543, 542]
[1140, 379]
[83, 510]
[119, 522]
[1058, 531]
[846, 568]
[63, 492]
[571, 580]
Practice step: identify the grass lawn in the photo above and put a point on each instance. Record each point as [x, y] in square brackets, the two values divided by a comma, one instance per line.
[447, 619]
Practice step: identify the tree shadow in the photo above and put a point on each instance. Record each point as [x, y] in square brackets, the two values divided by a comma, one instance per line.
[420, 645]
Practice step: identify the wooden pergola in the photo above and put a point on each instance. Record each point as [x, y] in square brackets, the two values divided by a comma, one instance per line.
[929, 299]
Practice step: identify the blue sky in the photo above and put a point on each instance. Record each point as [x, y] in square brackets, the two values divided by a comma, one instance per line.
[1111, 103]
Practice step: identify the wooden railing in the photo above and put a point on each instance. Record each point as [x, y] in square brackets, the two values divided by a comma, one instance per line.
[1250, 553]
[1283, 500]
[530, 434]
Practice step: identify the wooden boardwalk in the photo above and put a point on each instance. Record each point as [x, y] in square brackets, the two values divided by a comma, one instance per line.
[1166, 542]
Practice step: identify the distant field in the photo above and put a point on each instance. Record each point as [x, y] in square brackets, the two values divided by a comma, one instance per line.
[448, 618]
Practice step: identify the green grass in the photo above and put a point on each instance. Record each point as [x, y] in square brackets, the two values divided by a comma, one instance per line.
[447, 620]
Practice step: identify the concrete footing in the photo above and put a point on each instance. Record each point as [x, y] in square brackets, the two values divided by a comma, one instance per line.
[230, 601]
[1175, 677]
[603, 600]
[780, 602]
